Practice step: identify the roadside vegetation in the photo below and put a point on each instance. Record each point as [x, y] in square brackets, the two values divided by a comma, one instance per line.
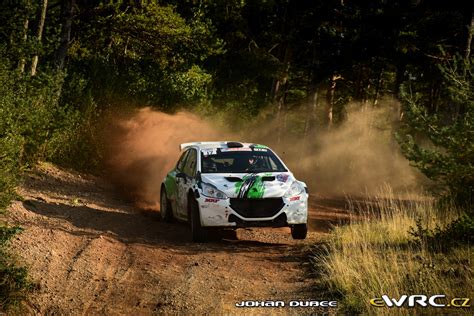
[65, 65]
[15, 284]
[396, 247]
[419, 244]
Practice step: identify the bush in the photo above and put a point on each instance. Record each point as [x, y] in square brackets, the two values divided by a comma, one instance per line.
[74, 140]
[27, 110]
[459, 231]
[14, 282]
[377, 255]
[439, 141]
[33, 126]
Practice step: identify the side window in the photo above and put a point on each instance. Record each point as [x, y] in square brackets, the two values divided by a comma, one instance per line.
[190, 166]
[181, 161]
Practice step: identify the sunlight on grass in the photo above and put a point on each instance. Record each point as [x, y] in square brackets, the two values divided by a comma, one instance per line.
[376, 255]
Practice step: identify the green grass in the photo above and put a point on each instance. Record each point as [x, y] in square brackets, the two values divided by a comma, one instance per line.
[376, 255]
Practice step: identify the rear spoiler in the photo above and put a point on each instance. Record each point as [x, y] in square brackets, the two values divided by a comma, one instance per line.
[186, 145]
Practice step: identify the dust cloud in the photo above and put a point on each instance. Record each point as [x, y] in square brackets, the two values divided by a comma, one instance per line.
[143, 146]
[357, 157]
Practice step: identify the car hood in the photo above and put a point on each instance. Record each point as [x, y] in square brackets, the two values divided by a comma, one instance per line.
[250, 185]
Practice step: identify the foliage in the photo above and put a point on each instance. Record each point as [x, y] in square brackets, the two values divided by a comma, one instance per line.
[459, 231]
[448, 158]
[238, 59]
[32, 126]
[74, 140]
[26, 112]
[190, 86]
[14, 284]
[376, 255]
[144, 53]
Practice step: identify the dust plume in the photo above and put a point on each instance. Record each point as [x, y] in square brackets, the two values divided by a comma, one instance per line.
[360, 156]
[144, 146]
[356, 157]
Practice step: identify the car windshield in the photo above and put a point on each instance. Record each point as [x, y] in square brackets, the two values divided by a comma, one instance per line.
[240, 160]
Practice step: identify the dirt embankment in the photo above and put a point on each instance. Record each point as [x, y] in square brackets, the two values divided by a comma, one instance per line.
[91, 252]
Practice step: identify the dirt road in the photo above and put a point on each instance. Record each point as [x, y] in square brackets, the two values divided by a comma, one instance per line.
[91, 252]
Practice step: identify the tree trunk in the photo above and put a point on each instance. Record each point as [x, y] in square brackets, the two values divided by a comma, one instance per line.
[22, 62]
[378, 86]
[67, 12]
[275, 90]
[360, 83]
[400, 76]
[365, 99]
[330, 99]
[468, 20]
[310, 119]
[280, 96]
[39, 35]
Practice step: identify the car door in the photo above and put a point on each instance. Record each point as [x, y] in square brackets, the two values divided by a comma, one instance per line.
[186, 182]
[175, 178]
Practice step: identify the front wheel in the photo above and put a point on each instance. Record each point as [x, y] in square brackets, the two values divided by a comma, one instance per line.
[165, 208]
[197, 231]
[299, 231]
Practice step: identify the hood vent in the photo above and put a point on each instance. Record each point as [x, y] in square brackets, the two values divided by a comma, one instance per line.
[237, 179]
[233, 179]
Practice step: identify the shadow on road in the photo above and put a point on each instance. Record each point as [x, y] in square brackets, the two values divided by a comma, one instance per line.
[143, 227]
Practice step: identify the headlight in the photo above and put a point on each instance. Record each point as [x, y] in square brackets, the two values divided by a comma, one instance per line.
[211, 191]
[296, 188]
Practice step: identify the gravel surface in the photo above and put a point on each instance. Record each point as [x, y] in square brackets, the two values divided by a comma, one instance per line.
[92, 252]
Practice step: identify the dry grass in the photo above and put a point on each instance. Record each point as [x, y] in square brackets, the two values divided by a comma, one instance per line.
[377, 255]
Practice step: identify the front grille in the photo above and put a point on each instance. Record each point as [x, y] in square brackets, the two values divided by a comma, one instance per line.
[257, 208]
[279, 221]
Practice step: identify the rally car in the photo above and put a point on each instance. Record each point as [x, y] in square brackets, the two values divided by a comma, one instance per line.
[230, 185]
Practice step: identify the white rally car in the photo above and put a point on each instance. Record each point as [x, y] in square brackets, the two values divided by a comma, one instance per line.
[231, 185]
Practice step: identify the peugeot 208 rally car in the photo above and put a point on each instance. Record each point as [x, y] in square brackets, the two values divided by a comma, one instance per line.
[231, 185]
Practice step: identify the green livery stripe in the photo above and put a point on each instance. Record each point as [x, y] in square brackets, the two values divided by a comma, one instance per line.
[251, 187]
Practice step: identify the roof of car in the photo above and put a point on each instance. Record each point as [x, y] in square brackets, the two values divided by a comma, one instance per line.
[219, 144]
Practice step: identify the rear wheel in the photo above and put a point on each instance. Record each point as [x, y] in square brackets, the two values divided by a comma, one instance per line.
[299, 231]
[165, 208]
[197, 231]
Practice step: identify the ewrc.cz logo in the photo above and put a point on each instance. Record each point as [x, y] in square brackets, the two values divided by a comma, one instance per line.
[420, 301]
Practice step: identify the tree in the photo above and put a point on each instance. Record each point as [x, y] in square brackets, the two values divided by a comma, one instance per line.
[39, 34]
[67, 12]
[141, 51]
[22, 62]
[440, 143]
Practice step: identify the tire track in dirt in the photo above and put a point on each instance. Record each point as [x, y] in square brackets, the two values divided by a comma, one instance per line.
[92, 253]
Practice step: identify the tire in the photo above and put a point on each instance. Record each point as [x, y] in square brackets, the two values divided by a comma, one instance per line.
[214, 234]
[299, 231]
[165, 207]
[197, 231]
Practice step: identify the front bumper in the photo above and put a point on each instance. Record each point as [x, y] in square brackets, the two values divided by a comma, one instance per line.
[219, 213]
